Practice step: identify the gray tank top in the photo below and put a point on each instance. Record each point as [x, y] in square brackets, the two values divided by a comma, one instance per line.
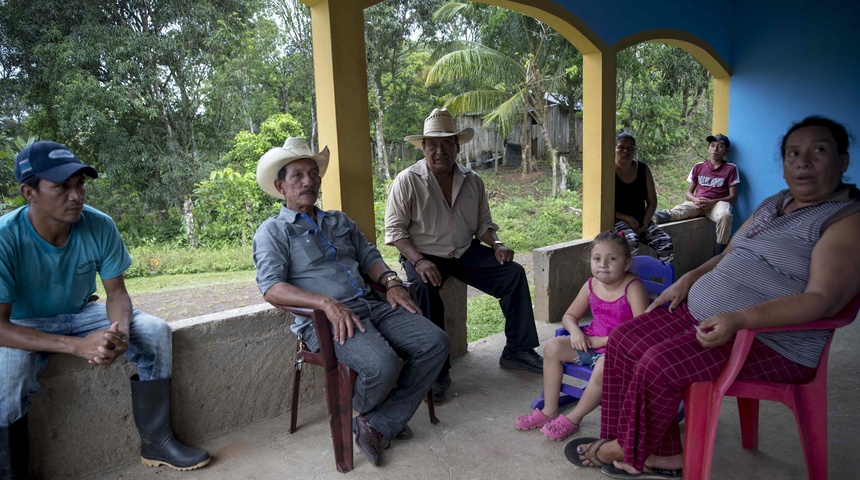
[770, 259]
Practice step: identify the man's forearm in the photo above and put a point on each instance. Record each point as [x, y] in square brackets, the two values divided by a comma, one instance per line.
[119, 311]
[286, 294]
[489, 237]
[408, 250]
[24, 338]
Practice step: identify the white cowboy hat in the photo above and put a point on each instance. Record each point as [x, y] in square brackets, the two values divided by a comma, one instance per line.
[440, 123]
[274, 160]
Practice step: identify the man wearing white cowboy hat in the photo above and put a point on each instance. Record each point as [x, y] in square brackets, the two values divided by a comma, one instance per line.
[312, 258]
[437, 216]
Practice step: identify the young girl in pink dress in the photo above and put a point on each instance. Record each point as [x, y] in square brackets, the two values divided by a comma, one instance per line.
[614, 296]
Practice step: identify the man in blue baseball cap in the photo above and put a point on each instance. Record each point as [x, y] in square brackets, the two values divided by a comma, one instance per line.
[50, 252]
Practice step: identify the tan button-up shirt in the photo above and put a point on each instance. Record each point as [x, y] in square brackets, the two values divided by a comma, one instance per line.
[417, 210]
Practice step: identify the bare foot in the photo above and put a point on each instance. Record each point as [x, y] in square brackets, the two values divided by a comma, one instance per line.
[626, 467]
[675, 462]
[605, 453]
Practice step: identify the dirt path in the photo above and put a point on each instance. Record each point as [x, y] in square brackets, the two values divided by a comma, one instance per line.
[183, 303]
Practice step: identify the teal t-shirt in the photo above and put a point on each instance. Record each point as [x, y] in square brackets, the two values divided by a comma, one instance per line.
[41, 280]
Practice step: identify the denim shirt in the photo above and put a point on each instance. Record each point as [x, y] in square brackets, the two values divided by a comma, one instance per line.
[326, 255]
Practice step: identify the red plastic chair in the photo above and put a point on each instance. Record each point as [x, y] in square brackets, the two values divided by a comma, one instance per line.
[656, 276]
[808, 401]
[339, 381]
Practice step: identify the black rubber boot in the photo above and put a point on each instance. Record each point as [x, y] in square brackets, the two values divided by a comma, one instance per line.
[718, 248]
[15, 451]
[151, 404]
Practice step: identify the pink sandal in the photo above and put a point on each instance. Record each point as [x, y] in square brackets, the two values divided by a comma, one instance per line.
[559, 429]
[533, 420]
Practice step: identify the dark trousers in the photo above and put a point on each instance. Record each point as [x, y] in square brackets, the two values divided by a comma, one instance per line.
[479, 268]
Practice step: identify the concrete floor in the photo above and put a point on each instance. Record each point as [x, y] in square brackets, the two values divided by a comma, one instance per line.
[476, 438]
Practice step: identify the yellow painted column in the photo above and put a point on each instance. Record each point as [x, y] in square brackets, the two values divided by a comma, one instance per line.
[598, 143]
[340, 73]
[720, 122]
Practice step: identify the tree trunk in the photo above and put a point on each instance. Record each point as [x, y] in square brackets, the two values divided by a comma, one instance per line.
[381, 151]
[554, 157]
[188, 216]
[526, 141]
[314, 141]
[562, 186]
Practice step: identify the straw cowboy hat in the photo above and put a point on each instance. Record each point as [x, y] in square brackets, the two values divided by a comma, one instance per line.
[274, 160]
[440, 123]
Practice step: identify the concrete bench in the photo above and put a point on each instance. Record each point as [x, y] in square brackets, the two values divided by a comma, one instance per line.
[560, 270]
[235, 368]
[231, 369]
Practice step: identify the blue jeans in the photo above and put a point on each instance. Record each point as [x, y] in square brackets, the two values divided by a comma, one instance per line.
[589, 358]
[389, 389]
[150, 348]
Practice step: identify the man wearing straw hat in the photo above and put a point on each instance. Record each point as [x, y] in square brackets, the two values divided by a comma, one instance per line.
[437, 216]
[312, 258]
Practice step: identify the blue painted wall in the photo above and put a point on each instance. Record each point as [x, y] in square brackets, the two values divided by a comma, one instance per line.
[790, 59]
[613, 20]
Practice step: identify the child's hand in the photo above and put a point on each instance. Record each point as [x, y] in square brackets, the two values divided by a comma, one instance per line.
[578, 340]
[597, 342]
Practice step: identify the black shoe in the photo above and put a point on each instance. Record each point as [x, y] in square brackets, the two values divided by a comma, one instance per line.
[527, 360]
[404, 434]
[440, 388]
[661, 216]
[368, 439]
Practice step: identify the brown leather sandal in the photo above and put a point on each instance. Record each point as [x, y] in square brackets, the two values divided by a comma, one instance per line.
[572, 454]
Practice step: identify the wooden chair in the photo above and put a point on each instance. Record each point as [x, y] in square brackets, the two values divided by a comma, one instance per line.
[339, 381]
[808, 402]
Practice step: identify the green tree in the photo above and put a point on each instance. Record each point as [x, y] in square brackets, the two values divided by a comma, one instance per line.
[293, 78]
[125, 84]
[395, 31]
[229, 204]
[508, 88]
[662, 97]
[9, 197]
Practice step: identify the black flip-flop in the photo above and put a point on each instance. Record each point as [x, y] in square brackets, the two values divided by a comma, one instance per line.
[648, 473]
[572, 455]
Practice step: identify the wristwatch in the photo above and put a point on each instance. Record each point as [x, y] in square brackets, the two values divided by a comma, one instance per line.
[391, 278]
[498, 242]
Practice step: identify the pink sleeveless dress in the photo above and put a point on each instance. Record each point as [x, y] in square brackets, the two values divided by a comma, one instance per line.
[606, 315]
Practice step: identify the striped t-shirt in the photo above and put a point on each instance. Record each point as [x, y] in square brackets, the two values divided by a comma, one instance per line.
[770, 258]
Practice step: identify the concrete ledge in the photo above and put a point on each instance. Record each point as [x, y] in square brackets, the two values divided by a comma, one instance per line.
[235, 368]
[231, 369]
[560, 270]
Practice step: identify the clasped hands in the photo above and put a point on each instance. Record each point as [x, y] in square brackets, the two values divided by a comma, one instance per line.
[103, 347]
[703, 203]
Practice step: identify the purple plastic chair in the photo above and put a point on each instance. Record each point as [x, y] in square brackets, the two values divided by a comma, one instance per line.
[656, 276]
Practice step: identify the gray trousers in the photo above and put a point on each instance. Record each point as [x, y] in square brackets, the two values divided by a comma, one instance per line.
[389, 389]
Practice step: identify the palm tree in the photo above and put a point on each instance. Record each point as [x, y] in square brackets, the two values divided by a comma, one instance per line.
[506, 89]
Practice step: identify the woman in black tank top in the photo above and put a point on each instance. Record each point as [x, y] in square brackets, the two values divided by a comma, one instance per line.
[636, 201]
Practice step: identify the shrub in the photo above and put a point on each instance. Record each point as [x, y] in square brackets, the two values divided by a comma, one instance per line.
[163, 260]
